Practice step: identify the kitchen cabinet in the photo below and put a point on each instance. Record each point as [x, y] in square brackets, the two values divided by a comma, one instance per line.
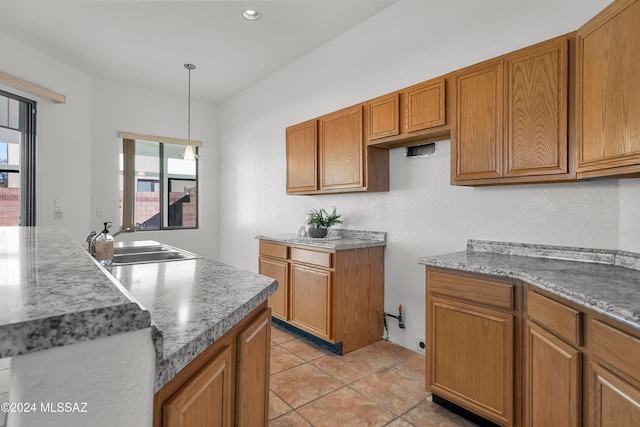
[516, 354]
[253, 362]
[511, 117]
[311, 300]
[341, 149]
[335, 296]
[273, 263]
[615, 376]
[302, 165]
[416, 114]
[470, 339]
[206, 399]
[553, 378]
[226, 385]
[608, 92]
[329, 155]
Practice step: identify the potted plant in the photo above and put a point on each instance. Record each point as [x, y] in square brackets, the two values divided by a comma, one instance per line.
[321, 221]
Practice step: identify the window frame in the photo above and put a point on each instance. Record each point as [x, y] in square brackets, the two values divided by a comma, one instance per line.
[129, 185]
[27, 167]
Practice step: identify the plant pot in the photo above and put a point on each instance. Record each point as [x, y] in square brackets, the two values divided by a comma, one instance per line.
[317, 233]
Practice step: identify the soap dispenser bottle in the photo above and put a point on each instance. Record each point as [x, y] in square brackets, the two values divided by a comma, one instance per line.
[104, 246]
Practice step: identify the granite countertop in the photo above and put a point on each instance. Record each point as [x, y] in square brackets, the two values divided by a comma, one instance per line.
[336, 240]
[52, 293]
[192, 304]
[606, 281]
[55, 294]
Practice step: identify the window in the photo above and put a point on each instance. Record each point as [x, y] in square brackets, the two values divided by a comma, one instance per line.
[17, 160]
[158, 189]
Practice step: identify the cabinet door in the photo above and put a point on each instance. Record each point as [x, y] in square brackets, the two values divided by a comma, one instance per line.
[279, 270]
[206, 399]
[553, 380]
[425, 105]
[341, 149]
[470, 357]
[252, 372]
[477, 137]
[383, 116]
[536, 116]
[609, 90]
[311, 300]
[615, 402]
[302, 154]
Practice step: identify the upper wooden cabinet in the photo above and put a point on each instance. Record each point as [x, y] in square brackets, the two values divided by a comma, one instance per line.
[424, 105]
[302, 164]
[512, 117]
[341, 149]
[329, 155]
[415, 114]
[608, 92]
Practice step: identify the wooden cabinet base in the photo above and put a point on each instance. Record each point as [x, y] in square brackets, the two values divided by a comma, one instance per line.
[226, 385]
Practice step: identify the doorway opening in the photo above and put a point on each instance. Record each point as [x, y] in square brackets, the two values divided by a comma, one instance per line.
[17, 160]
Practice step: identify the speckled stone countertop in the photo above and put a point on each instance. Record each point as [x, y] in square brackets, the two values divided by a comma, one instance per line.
[605, 281]
[192, 304]
[52, 293]
[336, 240]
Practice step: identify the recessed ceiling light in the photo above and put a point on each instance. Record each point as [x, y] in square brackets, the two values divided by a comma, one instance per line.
[251, 14]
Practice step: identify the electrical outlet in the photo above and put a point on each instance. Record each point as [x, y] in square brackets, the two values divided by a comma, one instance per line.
[57, 214]
[420, 346]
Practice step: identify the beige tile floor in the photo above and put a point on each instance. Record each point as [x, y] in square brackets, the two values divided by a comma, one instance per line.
[379, 385]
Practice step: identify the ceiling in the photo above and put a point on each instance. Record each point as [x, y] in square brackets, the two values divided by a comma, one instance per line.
[146, 43]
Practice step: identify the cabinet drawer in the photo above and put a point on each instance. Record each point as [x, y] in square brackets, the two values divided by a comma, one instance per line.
[273, 250]
[558, 318]
[473, 289]
[617, 348]
[322, 259]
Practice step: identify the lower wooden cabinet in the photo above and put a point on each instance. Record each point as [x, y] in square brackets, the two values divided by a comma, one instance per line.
[311, 300]
[553, 383]
[615, 402]
[518, 355]
[337, 296]
[470, 339]
[279, 270]
[206, 399]
[226, 385]
[472, 358]
[252, 372]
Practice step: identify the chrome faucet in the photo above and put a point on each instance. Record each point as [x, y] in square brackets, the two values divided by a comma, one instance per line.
[90, 242]
[124, 230]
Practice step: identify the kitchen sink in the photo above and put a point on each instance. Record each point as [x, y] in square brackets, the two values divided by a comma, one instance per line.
[136, 253]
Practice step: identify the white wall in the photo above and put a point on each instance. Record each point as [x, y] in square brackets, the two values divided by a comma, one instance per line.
[116, 108]
[77, 146]
[63, 135]
[113, 376]
[405, 44]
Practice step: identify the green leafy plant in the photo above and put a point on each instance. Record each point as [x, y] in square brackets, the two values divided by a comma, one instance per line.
[322, 219]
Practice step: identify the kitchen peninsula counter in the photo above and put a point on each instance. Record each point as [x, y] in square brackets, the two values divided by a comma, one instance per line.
[606, 281]
[56, 294]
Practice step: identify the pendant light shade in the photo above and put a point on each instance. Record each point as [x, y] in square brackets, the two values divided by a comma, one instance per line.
[188, 151]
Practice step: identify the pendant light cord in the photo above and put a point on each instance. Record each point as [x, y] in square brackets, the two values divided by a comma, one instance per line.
[189, 67]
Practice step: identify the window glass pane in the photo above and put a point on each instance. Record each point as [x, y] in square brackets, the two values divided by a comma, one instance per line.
[147, 215]
[9, 198]
[183, 206]
[176, 165]
[4, 153]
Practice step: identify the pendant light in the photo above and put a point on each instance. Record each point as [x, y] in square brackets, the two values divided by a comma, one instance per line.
[188, 151]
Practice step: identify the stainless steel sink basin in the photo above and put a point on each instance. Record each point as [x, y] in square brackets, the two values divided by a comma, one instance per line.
[153, 252]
